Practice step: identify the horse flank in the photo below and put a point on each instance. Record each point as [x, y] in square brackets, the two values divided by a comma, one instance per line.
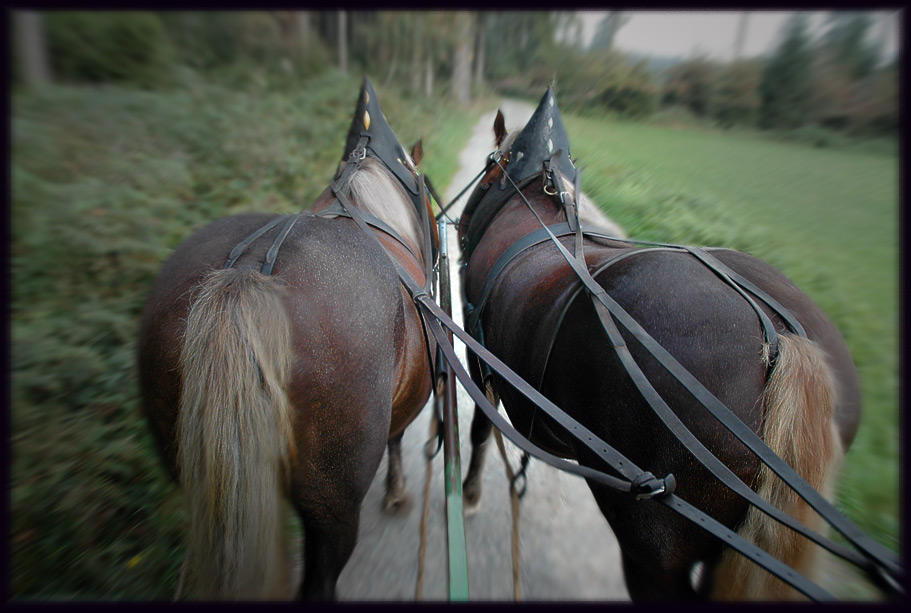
[799, 426]
[234, 428]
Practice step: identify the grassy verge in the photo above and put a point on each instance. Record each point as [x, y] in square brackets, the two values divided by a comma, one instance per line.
[106, 182]
[826, 218]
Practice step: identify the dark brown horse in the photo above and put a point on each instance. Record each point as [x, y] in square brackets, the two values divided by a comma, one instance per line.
[272, 379]
[801, 396]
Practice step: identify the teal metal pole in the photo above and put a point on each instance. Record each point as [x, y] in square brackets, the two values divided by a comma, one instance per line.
[455, 532]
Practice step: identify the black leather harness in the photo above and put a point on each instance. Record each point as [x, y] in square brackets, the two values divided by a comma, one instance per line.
[876, 560]
[880, 563]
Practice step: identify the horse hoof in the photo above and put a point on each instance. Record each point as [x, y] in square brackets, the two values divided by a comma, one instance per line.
[471, 501]
[397, 504]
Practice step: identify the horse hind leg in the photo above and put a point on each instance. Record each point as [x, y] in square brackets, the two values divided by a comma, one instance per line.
[396, 500]
[480, 442]
[799, 426]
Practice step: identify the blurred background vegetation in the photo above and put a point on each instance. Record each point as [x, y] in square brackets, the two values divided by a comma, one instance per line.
[131, 130]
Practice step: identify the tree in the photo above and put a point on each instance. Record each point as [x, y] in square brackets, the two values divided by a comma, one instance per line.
[608, 27]
[343, 41]
[480, 37]
[736, 98]
[785, 86]
[845, 44]
[461, 68]
[690, 84]
[32, 48]
[741, 35]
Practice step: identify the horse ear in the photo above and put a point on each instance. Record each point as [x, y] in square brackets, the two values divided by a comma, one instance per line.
[417, 152]
[499, 127]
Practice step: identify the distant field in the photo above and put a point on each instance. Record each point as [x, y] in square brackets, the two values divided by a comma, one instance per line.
[826, 218]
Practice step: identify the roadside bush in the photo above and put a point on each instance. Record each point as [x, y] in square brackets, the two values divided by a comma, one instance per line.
[816, 136]
[607, 80]
[99, 47]
[736, 96]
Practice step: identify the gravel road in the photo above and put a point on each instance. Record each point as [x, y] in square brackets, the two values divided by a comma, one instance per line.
[567, 549]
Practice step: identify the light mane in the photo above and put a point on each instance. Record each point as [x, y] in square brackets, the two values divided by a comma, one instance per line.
[375, 190]
[589, 212]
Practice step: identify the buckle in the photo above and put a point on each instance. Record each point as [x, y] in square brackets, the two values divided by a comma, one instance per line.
[647, 486]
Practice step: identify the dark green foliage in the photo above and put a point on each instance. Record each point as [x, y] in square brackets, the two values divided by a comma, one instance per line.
[846, 44]
[785, 86]
[203, 40]
[691, 84]
[607, 80]
[736, 98]
[103, 47]
[106, 182]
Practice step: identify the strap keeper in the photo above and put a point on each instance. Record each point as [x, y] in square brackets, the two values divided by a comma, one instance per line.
[647, 486]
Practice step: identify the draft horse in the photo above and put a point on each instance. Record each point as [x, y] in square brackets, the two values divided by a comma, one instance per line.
[278, 356]
[800, 394]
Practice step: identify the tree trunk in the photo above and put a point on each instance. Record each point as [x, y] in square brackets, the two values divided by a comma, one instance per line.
[461, 69]
[741, 35]
[303, 33]
[479, 59]
[35, 66]
[417, 40]
[343, 41]
[428, 74]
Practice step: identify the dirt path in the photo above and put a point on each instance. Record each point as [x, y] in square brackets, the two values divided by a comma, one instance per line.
[567, 549]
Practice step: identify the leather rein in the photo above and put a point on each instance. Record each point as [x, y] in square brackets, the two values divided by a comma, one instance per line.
[627, 477]
[878, 562]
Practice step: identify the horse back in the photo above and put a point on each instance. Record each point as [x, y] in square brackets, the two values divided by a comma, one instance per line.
[354, 336]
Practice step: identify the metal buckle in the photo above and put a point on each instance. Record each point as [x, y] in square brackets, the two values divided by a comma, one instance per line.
[358, 154]
[546, 176]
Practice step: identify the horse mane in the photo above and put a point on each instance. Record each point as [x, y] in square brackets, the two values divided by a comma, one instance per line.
[374, 189]
[591, 214]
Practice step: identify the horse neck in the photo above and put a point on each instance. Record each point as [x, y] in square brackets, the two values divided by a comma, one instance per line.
[373, 189]
[515, 220]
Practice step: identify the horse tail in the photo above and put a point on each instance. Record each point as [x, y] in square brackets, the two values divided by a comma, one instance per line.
[235, 437]
[799, 426]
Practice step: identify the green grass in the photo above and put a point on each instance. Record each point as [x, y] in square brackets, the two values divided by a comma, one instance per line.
[828, 218]
[106, 181]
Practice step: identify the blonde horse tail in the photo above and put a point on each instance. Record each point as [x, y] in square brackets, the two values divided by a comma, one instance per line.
[799, 426]
[235, 439]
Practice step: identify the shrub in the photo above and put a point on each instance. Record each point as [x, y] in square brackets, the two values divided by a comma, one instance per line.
[607, 80]
[108, 47]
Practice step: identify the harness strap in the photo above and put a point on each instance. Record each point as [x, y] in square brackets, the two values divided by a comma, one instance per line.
[242, 246]
[636, 480]
[650, 488]
[273, 250]
[606, 306]
[336, 210]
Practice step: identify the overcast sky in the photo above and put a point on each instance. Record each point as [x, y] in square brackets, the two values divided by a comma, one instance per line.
[683, 33]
